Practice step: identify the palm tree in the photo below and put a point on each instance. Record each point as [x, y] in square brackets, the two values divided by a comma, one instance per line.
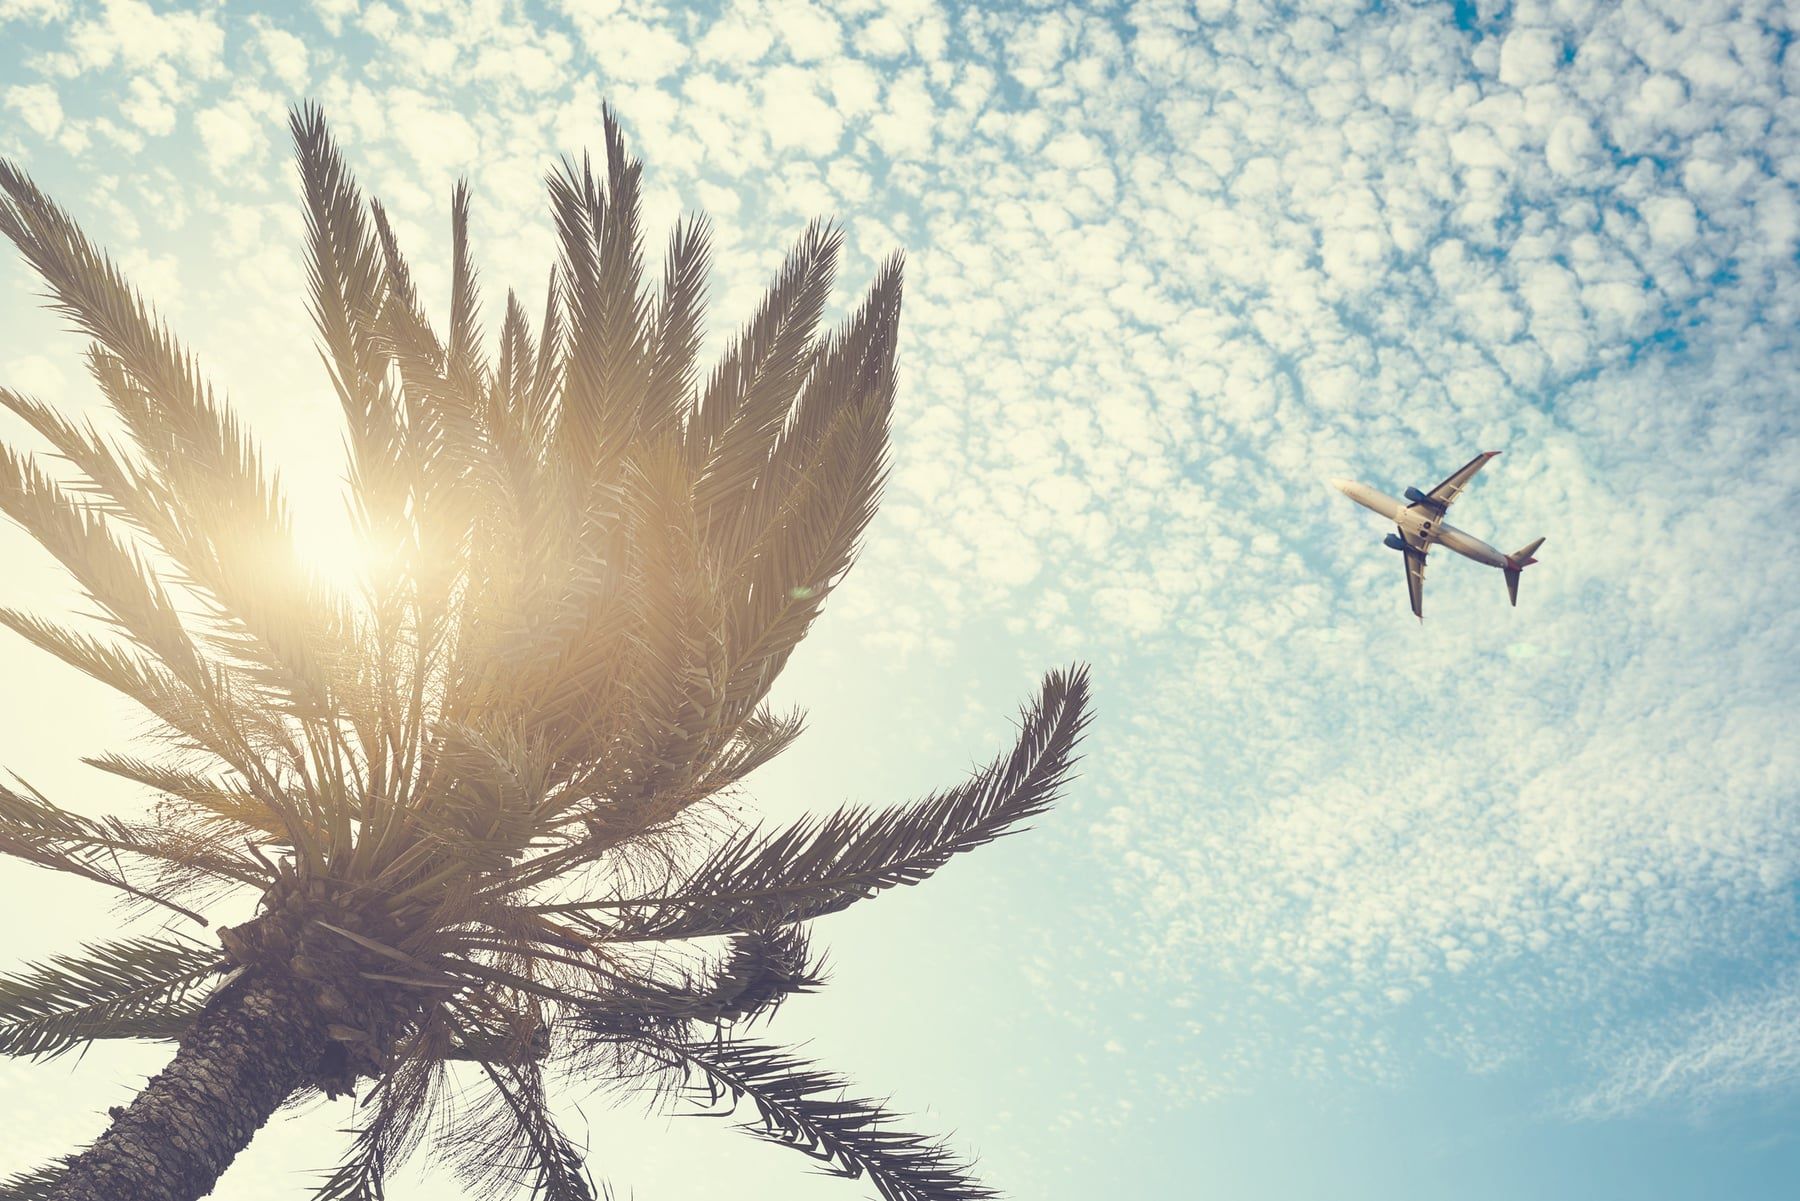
[479, 801]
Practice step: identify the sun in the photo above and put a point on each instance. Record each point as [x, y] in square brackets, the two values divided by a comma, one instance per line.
[333, 549]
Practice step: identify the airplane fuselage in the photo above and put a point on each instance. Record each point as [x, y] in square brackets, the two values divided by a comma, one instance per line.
[1420, 525]
[1422, 522]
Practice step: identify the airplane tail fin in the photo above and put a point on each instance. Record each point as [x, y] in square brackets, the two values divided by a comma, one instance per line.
[1516, 562]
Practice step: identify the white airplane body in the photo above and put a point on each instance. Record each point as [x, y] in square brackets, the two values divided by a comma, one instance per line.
[1420, 519]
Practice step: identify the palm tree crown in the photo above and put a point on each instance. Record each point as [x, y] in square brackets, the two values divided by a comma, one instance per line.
[477, 801]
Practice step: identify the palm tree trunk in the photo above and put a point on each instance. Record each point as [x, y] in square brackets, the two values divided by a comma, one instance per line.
[256, 1041]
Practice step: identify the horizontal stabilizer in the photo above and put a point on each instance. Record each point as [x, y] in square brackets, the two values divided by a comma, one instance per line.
[1516, 562]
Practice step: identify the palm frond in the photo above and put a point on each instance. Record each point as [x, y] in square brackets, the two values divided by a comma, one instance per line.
[439, 440]
[759, 971]
[510, 1138]
[229, 806]
[758, 739]
[793, 536]
[820, 866]
[233, 539]
[599, 559]
[119, 581]
[799, 1105]
[361, 1176]
[602, 276]
[164, 669]
[748, 395]
[680, 308]
[36, 831]
[518, 359]
[466, 363]
[552, 360]
[132, 674]
[112, 480]
[345, 274]
[34, 1184]
[679, 623]
[133, 988]
[400, 1104]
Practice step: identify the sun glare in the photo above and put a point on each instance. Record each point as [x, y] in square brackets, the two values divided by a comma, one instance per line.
[332, 549]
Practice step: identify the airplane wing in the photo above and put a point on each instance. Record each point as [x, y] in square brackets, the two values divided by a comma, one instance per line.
[1415, 573]
[1442, 496]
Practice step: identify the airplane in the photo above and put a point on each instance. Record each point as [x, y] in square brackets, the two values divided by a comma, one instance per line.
[1422, 526]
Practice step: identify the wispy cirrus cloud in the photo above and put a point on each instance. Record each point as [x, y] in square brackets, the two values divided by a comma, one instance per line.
[1743, 1044]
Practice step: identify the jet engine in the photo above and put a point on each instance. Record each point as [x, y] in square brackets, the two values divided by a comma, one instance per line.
[1394, 542]
[1419, 498]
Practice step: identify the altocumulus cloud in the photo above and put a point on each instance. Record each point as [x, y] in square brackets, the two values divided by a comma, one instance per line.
[1170, 266]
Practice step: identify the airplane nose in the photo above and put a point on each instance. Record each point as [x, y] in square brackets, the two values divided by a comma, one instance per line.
[1341, 483]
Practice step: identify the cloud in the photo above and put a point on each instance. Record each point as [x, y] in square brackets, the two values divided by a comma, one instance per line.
[1671, 222]
[155, 275]
[627, 49]
[1744, 1044]
[153, 98]
[33, 10]
[903, 127]
[36, 375]
[332, 13]
[1529, 56]
[810, 32]
[234, 131]
[38, 106]
[1166, 271]
[287, 57]
[797, 116]
[437, 137]
[135, 36]
[882, 38]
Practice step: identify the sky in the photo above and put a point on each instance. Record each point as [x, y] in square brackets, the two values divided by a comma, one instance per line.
[1343, 906]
